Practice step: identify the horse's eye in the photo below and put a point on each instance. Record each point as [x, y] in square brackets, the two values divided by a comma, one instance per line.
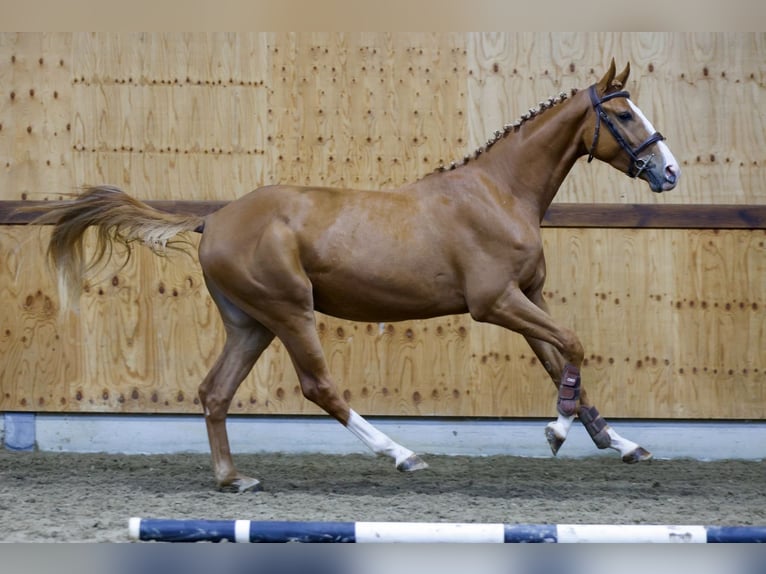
[624, 116]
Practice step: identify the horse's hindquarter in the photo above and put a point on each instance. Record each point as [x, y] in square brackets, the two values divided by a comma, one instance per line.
[369, 256]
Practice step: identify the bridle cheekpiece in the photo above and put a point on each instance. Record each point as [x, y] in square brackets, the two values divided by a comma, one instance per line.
[638, 164]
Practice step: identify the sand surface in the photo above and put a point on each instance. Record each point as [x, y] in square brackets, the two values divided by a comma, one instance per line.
[87, 497]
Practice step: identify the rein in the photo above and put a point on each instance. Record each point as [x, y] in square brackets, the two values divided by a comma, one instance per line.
[638, 164]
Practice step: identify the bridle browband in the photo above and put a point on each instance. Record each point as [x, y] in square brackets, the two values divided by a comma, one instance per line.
[638, 164]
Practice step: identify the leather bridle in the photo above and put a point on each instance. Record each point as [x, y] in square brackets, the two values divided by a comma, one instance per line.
[638, 164]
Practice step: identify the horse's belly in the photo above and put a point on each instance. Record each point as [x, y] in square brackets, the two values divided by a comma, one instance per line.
[370, 298]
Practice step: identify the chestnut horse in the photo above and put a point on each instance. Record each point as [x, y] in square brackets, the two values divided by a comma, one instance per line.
[464, 239]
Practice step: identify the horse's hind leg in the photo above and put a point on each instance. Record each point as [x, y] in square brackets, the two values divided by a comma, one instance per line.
[246, 339]
[299, 336]
[602, 434]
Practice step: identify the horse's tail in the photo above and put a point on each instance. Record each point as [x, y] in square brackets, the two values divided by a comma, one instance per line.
[117, 218]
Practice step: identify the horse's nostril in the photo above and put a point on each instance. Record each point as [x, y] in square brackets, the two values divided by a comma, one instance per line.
[671, 174]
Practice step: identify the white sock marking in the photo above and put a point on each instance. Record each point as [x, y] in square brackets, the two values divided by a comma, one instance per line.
[623, 445]
[377, 441]
[562, 425]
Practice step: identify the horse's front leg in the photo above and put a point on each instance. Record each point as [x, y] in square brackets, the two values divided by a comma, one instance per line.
[567, 380]
[602, 434]
[561, 353]
[558, 348]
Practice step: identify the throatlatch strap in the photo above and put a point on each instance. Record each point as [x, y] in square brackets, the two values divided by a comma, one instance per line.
[596, 426]
[569, 391]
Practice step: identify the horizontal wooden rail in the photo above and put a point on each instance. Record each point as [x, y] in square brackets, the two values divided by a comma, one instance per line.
[669, 216]
[578, 215]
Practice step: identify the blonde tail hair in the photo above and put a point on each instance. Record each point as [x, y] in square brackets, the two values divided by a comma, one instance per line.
[117, 218]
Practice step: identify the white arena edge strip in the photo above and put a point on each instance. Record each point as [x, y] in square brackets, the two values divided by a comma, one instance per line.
[168, 530]
[168, 434]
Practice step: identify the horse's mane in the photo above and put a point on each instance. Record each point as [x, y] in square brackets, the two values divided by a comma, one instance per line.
[508, 128]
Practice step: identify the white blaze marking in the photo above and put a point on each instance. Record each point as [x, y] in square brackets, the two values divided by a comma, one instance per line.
[668, 160]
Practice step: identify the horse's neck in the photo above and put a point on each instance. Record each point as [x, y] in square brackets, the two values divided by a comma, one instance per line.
[534, 161]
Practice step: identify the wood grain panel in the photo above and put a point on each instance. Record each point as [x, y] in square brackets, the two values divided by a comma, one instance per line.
[719, 314]
[104, 96]
[672, 325]
[672, 318]
[35, 106]
[172, 116]
[365, 110]
[658, 334]
[41, 361]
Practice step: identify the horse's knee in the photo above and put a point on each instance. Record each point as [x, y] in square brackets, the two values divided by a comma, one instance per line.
[572, 349]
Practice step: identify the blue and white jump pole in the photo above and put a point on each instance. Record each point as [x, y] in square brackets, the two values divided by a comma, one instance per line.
[431, 532]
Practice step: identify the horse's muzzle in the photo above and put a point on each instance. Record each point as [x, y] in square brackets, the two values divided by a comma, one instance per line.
[667, 181]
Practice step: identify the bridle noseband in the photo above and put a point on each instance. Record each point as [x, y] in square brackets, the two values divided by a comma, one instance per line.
[638, 164]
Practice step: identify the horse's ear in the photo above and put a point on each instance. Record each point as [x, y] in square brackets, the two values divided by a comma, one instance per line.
[621, 79]
[605, 83]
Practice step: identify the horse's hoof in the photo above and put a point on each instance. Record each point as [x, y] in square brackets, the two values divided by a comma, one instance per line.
[411, 464]
[247, 484]
[639, 454]
[554, 440]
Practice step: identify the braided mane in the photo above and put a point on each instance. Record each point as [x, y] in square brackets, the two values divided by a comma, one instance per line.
[508, 128]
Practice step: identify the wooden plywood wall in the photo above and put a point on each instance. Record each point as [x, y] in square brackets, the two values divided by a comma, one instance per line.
[673, 320]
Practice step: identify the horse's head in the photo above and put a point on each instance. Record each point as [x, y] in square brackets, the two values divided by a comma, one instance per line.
[622, 136]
